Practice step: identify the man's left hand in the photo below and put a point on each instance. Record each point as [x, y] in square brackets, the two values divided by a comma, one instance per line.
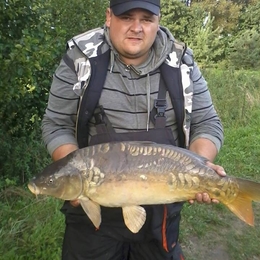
[204, 197]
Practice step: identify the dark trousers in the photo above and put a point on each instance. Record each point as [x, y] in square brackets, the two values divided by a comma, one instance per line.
[94, 245]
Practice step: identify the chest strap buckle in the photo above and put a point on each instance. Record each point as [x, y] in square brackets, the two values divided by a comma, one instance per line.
[160, 105]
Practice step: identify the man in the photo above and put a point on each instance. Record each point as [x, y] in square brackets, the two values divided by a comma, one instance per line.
[129, 81]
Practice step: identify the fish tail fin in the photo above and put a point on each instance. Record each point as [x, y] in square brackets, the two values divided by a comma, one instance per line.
[242, 206]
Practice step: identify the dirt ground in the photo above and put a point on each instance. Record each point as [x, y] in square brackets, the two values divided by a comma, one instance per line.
[214, 244]
[196, 249]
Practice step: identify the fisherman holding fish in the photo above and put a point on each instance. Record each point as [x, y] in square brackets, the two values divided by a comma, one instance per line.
[128, 81]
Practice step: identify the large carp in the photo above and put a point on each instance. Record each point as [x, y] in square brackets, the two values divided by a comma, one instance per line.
[130, 174]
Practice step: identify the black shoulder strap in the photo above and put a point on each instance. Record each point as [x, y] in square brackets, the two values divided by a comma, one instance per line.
[173, 81]
[157, 114]
[99, 67]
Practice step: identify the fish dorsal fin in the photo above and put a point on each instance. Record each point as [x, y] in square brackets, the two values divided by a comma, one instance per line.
[134, 217]
[92, 209]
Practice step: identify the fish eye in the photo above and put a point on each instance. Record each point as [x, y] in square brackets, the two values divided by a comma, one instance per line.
[50, 181]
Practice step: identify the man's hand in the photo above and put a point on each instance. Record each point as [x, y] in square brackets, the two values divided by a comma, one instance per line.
[207, 149]
[204, 197]
[74, 203]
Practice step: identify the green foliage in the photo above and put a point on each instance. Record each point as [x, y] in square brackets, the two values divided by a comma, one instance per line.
[32, 49]
[30, 53]
[249, 18]
[32, 41]
[21, 157]
[30, 228]
[244, 51]
[225, 13]
[177, 18]
[235, 95]
[207, 43]
[76, 17]
[241, 149]
[195, 27]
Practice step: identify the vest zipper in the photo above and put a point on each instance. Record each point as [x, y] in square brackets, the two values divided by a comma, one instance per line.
[131, 67]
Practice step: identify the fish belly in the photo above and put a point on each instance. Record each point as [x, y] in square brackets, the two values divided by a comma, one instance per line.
[144, 192]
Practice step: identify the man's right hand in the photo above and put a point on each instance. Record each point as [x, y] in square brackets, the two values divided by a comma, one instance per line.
[75, 203]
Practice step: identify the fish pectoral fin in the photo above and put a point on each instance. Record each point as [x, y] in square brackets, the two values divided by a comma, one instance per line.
[92, 209]
[134, 217]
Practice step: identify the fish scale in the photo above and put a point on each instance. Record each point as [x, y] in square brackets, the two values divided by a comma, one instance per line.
[130, 174]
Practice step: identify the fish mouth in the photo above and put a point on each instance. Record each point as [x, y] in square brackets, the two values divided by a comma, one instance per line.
[33, 188]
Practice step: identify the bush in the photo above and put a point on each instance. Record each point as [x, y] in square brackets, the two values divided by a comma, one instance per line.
[244, 51]
[21, 157]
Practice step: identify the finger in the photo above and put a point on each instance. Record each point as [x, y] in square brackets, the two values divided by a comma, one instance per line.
[219, 169]
[215, 201]
[206, 198]
[199, 197]
[203, 198]
[74, 203]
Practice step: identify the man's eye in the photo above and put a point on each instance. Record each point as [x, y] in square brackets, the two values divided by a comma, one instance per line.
[126, 18]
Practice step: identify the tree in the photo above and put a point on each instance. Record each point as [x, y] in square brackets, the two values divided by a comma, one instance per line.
[250, 17]
[29, 54]
[207, 43]
[244, 51]
[177, 17]
[189, 25]
[76, 17]
[225, 13]
[244, 2]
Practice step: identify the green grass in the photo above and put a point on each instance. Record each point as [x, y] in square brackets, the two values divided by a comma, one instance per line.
[236, 95]
[32, 228]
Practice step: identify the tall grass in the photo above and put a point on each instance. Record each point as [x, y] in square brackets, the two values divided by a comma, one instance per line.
[32, 228]
[236, 96]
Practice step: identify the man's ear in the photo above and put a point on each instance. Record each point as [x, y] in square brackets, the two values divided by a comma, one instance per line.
[108, 17]
[159, 20]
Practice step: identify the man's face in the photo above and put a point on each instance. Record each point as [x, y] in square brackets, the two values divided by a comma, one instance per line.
[132, 34]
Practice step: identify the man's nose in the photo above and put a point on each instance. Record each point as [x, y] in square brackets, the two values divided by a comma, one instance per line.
[136, 26]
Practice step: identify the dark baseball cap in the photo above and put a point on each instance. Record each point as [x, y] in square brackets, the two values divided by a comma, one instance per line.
[121, 6]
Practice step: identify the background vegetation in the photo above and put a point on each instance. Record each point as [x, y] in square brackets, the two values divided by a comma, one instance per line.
[225, 38]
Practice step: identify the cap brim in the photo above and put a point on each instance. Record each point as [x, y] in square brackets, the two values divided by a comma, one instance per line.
[122, 8]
